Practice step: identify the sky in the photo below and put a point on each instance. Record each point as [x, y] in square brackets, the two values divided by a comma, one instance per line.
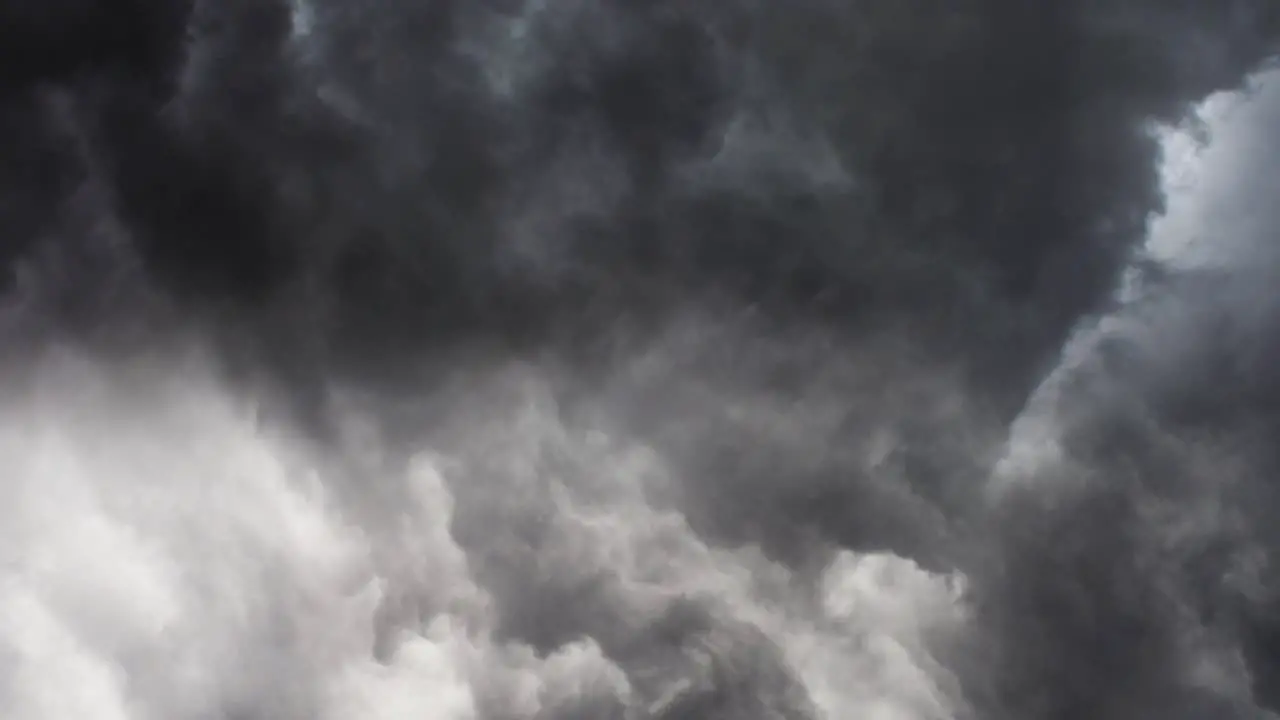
[526, 360]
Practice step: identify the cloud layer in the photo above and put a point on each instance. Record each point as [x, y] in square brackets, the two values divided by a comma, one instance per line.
[636, 360]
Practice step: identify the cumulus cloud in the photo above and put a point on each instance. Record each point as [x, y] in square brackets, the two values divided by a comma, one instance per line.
[177, 560]
[637, 360]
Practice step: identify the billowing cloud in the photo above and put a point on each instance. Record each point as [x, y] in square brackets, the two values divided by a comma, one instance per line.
[637, 360]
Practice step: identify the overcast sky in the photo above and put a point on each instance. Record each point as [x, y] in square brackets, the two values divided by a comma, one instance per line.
[530, 360]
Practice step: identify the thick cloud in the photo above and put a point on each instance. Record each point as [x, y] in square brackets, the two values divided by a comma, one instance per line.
[437, 169]
[635, 359]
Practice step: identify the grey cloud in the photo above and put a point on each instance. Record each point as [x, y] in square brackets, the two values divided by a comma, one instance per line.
[636, 360]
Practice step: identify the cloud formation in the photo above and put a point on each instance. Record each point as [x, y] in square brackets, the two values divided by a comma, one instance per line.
[637, 360]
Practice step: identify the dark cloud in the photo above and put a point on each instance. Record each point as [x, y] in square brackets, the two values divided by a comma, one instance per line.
[814, 257]
[495, 168]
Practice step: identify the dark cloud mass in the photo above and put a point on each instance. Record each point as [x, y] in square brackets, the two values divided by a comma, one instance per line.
[629, 359]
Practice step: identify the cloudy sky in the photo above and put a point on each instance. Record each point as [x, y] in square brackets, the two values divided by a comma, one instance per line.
[510, 359]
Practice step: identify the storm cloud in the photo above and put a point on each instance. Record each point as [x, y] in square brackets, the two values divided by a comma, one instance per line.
[513, 359]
